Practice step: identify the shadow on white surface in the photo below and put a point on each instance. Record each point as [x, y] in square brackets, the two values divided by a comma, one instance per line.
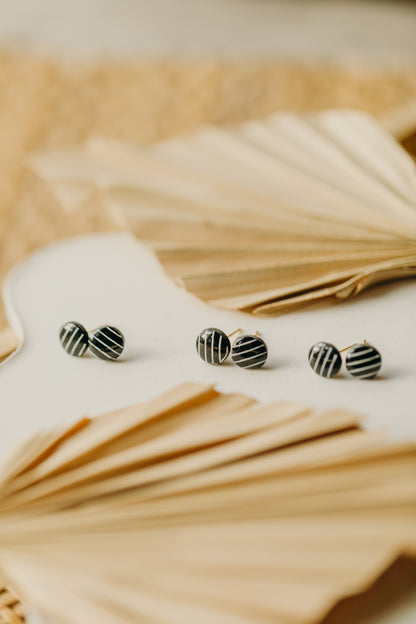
[389, 600]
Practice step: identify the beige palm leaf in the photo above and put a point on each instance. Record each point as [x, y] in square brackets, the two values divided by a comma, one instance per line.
[199, 506]
[262, 217]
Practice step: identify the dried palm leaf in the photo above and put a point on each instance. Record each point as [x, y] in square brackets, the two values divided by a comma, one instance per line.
[8, 343]
[263, 217]
[401, 123]
[198, 506]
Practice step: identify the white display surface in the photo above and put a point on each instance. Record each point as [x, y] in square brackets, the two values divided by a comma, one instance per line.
[111, 279]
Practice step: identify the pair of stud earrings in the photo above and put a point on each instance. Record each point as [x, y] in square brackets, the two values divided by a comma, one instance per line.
[106, 342]
[362, 360]
[247, 351]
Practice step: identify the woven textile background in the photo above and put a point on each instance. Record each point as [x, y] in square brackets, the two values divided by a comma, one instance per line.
[48, 103]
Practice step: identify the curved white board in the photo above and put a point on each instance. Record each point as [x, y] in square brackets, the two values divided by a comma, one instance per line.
[110, 278]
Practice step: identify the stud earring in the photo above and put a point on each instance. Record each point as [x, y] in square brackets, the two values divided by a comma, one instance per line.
[106, 342]
[74, 338]
[249, 351]
[213, 345]
[363, 361]
[325, 359]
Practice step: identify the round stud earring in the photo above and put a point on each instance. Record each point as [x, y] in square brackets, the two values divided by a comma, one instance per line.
[106, 342]
[74, 338]
[325, 359]
[249, 351]
[363, 361]
[213, 345]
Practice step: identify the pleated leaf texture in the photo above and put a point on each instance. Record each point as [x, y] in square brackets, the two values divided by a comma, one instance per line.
[204, 507]
[264, 217]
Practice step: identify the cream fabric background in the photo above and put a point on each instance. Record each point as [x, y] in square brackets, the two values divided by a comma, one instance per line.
[377, 32]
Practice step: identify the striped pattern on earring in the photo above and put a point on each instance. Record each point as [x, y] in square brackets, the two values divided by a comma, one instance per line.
[363, 361]
[325, 359]
[74, 338]
[249, 351]
[106, 342]
[213, 345]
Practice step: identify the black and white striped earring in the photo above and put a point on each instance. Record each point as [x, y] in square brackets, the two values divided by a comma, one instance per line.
[325, 359]
[249, 351]
[363, 361]
[74, 338]
[106, 342]
[213, 345]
